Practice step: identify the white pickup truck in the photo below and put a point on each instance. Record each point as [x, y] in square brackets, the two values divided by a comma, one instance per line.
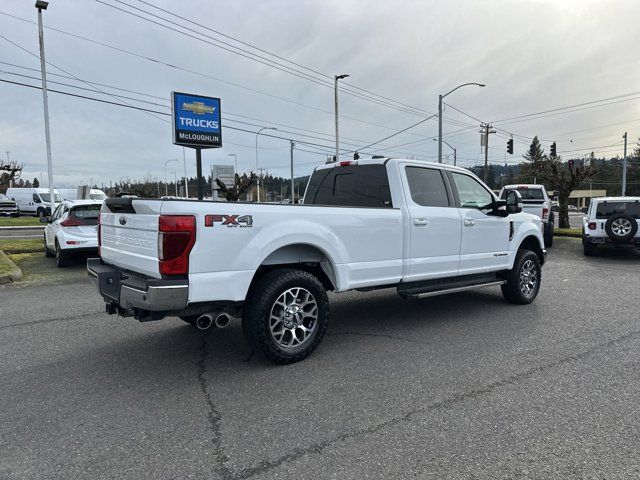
[536, 202]
[422, 228]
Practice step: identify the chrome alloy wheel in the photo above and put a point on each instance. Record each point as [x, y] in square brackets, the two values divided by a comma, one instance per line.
[293, 317]
[621, 227]
[528, 278]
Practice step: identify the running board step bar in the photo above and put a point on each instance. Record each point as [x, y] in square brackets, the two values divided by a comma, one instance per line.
[433, 293]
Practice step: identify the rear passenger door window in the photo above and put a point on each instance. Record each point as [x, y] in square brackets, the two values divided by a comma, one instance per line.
[427, 187]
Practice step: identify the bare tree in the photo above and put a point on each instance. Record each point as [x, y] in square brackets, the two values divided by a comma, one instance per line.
[9, 171]
[242, 185]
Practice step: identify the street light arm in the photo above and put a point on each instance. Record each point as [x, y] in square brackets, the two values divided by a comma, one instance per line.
[463, 85]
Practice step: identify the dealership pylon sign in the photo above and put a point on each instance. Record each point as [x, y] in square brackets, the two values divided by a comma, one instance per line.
[196, 120]
[196, 123]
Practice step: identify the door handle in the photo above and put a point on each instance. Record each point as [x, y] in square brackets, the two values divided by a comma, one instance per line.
[469, 223]
[420, 222]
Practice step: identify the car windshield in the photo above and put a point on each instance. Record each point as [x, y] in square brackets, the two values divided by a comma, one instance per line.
[46, 198]
[87, 213]
[526, 193]
[97, 196]
[608, 209]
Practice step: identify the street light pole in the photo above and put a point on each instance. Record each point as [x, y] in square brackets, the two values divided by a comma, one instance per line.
[293, 196]
[624, 166]
[186, 183]
[454, 150]
[236, 160]
[257, 167]
[166, 191]
[335, 106]
[440, 98]
[41, 5]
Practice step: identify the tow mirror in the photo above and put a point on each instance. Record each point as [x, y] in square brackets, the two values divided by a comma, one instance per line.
[514, 202]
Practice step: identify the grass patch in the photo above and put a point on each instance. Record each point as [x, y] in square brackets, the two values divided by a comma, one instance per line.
[567, 232]
[5, 265]
[21, 245]
[37, 269]
[20, 222]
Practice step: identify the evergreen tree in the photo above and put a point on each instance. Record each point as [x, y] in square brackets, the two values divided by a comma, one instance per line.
[35, 183]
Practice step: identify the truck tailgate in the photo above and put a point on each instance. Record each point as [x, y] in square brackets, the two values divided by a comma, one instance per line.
[129, 233]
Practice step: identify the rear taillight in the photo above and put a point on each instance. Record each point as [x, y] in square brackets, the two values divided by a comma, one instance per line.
[592, 225]
[99, 235]
[72, 222]
[545, 213]
[176, 236]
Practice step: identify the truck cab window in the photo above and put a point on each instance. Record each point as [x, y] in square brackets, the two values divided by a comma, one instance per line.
[426, 186]
[471, 192]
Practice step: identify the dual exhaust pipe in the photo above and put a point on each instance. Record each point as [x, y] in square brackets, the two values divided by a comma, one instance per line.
[208, 320]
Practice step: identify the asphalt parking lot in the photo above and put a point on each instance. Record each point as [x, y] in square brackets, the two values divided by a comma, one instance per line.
[458, 386]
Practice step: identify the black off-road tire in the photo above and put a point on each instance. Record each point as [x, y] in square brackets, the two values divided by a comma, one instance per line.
[259, 303]
[548, 234]
[588, 248]
[62, 258]
[47, 252]
[513, 291]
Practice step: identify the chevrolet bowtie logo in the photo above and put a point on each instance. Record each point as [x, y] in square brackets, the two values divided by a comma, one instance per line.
[199, 108]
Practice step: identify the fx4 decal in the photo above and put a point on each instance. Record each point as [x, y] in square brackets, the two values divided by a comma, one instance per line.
[243, 221]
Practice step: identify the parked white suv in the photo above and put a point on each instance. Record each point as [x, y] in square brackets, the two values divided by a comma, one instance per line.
[535, 201]
[611, 221]
[422, 228]
[72, 230]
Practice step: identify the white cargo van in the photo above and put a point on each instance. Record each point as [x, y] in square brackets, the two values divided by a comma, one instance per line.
[34, 201]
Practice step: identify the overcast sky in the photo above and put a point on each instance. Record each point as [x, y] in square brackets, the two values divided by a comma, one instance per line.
[533, 55]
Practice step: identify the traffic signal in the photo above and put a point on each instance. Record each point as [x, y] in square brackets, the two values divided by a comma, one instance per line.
[553, 149]
[510, 146]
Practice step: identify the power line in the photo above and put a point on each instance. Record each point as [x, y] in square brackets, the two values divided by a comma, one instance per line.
[399, 132]
[247, 54]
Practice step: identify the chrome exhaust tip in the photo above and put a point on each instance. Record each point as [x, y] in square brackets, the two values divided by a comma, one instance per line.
[222, 320]
[204, 322]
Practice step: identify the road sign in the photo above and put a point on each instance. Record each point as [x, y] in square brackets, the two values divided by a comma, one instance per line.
[196, 120]
[225, 173]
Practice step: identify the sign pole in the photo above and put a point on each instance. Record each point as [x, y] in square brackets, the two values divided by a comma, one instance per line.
[199, 171]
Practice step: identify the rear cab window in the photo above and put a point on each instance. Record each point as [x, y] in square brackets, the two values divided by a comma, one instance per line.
[350, 186]
[606, 210]
[533, 195]
[88, 214]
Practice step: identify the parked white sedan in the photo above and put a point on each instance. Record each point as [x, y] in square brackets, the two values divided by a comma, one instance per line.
[72, 229]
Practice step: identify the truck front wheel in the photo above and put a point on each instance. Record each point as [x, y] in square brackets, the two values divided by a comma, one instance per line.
[523, 280]
[285, 315]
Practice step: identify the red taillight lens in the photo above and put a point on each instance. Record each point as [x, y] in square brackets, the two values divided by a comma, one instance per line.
[592, 225]
[72, 222]
[99, 235]
[176, 236]
[348, 163]
[545, 213]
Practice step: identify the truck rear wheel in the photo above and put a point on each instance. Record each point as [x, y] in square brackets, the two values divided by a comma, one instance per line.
[523, 280]
[286, 315]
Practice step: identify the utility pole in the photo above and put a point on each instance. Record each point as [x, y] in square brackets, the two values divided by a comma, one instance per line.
[260, 170]
[41, 5]
[335, 101]
[10, 178]
[624, 166]
[293, 196]
[486, 130]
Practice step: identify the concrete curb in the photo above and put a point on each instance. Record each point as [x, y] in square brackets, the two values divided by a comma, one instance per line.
[14, 275]
[21, 227]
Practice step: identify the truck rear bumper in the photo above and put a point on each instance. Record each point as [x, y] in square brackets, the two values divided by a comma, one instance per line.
[136, 295]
